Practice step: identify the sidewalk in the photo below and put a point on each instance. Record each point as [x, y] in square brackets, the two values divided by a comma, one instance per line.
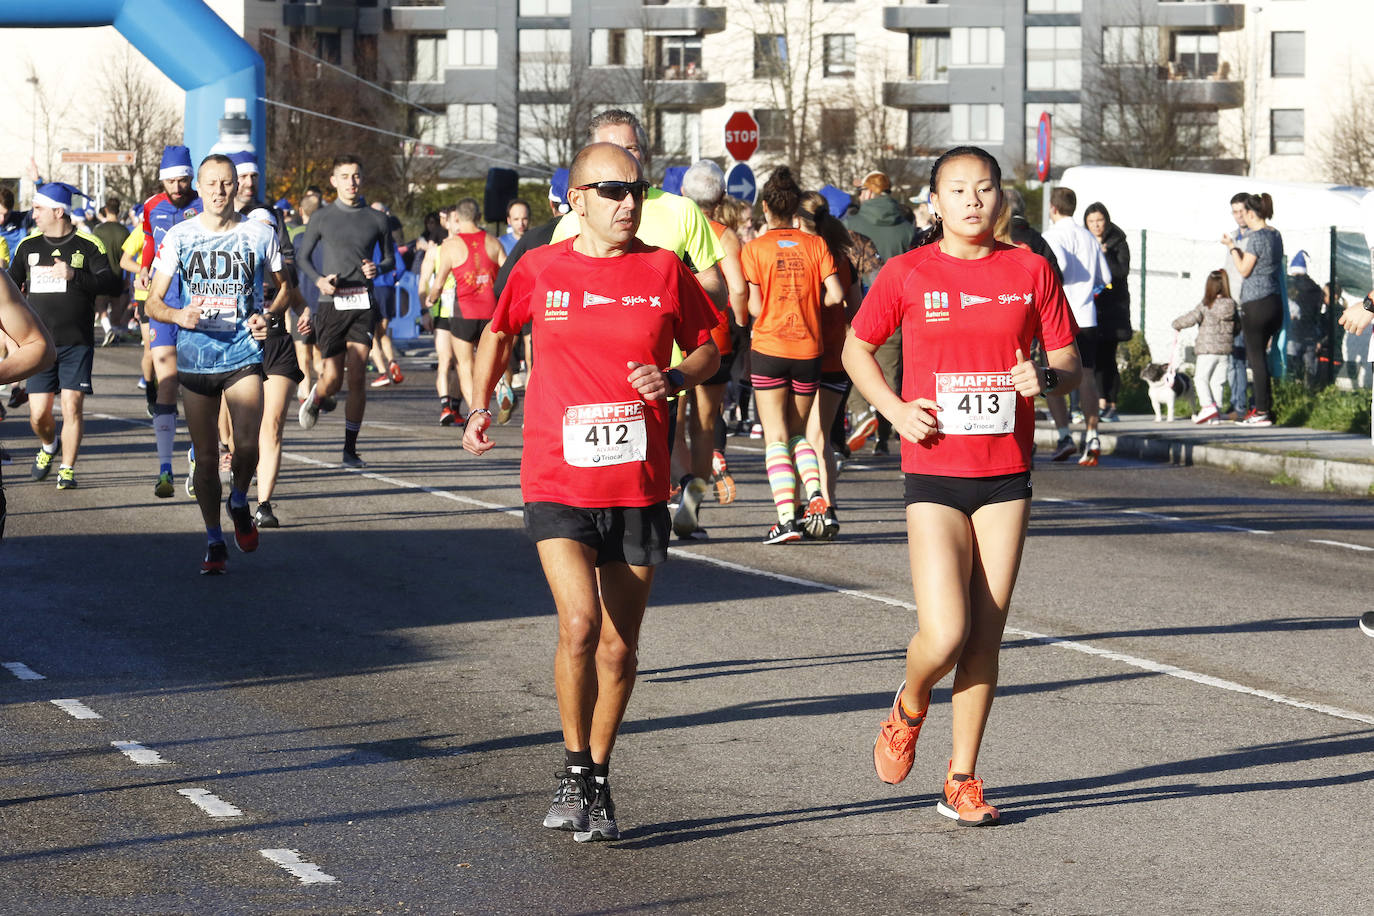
[1310, 458]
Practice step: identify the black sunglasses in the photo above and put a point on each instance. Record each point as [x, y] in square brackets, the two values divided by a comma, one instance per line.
[616, 190]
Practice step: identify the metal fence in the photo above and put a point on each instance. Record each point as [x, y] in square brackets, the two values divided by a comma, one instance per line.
[1169, 271]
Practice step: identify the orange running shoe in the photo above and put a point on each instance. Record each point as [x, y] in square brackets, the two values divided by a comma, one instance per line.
[895, 748]
[963, 802]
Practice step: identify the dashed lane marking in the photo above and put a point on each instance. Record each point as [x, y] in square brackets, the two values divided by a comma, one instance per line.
[211, 804]
[143, 756]
[77, 709]
[1359, 547]
[305, 872]
[23, 671]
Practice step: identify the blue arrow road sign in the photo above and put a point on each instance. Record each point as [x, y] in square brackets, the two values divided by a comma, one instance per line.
[740, 183]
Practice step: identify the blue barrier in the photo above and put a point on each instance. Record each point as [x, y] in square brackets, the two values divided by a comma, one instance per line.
[184, 39]
[405, 326]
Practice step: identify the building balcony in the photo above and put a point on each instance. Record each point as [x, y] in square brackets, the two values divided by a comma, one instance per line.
[1201, 14]
[336, 15]
[417, 17]
[661, 16]
[670, 91]
[1217, 90]
[918, 17]
[910, 94]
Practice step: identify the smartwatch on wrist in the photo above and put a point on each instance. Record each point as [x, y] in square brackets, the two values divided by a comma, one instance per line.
[1368, 304]
[1049, 379]
[676, 381]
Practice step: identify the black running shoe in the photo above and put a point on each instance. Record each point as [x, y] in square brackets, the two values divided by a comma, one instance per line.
[18, 395]
[216, 560]
[571, 802]
[353, 460]
[783, 532]
[265, 517]
[601, 823]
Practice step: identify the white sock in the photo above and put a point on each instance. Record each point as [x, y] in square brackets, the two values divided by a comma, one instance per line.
[165, 426]
[51, 447]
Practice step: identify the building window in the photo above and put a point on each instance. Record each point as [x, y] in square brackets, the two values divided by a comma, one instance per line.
[1288, 54]
[929, 131]
[770, 56]
[1130, 44]
[429, 129]
[426, 56]
[1054, 6]
[839, 55]
[472, 48]
[1195, 55]
[1054, 57]
[616, 48]
[976, 123]
[545, 7]
[977, 47]
[929, 57]
[329, 47]
[838, 127]
[472, 123]
[1286, 131]
[545, 59]
[679, 133]
[679, 57]
[1064, 124]
[773, 126]
[544, 130]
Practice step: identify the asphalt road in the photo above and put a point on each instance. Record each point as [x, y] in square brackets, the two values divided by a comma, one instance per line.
[1184, 723]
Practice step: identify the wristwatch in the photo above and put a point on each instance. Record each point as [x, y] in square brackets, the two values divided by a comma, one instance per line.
[1049, 379]
[1368, 305]
[676, 381]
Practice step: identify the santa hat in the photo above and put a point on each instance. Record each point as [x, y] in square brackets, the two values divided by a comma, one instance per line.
[58, 194]
[1299, 263]
[558, 190]
[245, 163]
[176, 162]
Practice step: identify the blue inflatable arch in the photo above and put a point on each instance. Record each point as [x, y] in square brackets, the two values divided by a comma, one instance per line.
[185, 40]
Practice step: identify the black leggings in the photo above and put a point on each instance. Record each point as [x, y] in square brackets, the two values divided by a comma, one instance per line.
[1107, 373]
[1261, 321]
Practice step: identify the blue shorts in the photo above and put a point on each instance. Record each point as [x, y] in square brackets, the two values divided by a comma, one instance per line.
[163, 334]
[71, 371]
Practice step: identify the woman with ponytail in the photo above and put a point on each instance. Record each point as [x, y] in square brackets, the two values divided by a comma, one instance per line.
[968, 308]
[792, 276]
[1261, 302]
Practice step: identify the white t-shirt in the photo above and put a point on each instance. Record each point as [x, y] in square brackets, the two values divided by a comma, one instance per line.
[1085, 268]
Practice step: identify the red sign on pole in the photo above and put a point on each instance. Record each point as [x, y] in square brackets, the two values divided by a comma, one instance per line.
[1042, 147]
[741, 136]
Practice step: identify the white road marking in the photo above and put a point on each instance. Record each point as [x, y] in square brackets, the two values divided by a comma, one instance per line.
[143, 756]
[77, 709]
[1130, 660]
[1342, 544]
[290, 859]
[210, 804]
[1153, 516]
[23, 671]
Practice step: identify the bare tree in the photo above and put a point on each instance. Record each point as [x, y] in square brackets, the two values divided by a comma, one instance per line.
[859, 134]
[1349, 141]
[1141, 110]
[48, 116]
[138, 118]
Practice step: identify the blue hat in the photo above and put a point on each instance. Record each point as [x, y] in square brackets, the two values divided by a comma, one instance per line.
[56, 194]
[245, 163]
[835, 199]
[558, 189]
[282, 204]
[176, 162]
[1299, 263]
[672, 178]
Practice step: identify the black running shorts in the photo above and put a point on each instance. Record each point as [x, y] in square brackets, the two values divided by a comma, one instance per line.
[722, 376]
[336, 329]
[967, 494]
[213, 384]
[468, 329]
[637, 535]
[279, 357]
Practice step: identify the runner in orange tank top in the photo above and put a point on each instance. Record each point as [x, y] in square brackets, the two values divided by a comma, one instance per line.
[473, 257]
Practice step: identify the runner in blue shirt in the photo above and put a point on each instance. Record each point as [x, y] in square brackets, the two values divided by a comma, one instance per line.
[219, 259]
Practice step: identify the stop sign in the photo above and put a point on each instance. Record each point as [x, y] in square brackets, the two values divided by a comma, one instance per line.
[741, 136]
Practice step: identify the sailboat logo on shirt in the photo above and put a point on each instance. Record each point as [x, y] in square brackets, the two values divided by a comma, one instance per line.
[967, 299]
[594, 299]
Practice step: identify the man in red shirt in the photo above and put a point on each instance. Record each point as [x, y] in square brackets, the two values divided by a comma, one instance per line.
[607, 310]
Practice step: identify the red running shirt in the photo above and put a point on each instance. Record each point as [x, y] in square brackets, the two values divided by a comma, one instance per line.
[590, 441]
[962, 322]
[474, 279]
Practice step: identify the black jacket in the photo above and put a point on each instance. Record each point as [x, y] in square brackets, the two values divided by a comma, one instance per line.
[1114, 304]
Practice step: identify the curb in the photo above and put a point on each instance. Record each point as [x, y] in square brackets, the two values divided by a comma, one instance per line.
[1325, 474]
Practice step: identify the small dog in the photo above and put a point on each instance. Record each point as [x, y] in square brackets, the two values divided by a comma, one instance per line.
[1162, 395]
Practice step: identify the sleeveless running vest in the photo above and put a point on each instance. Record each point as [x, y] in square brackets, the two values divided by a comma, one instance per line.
[475, 279]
